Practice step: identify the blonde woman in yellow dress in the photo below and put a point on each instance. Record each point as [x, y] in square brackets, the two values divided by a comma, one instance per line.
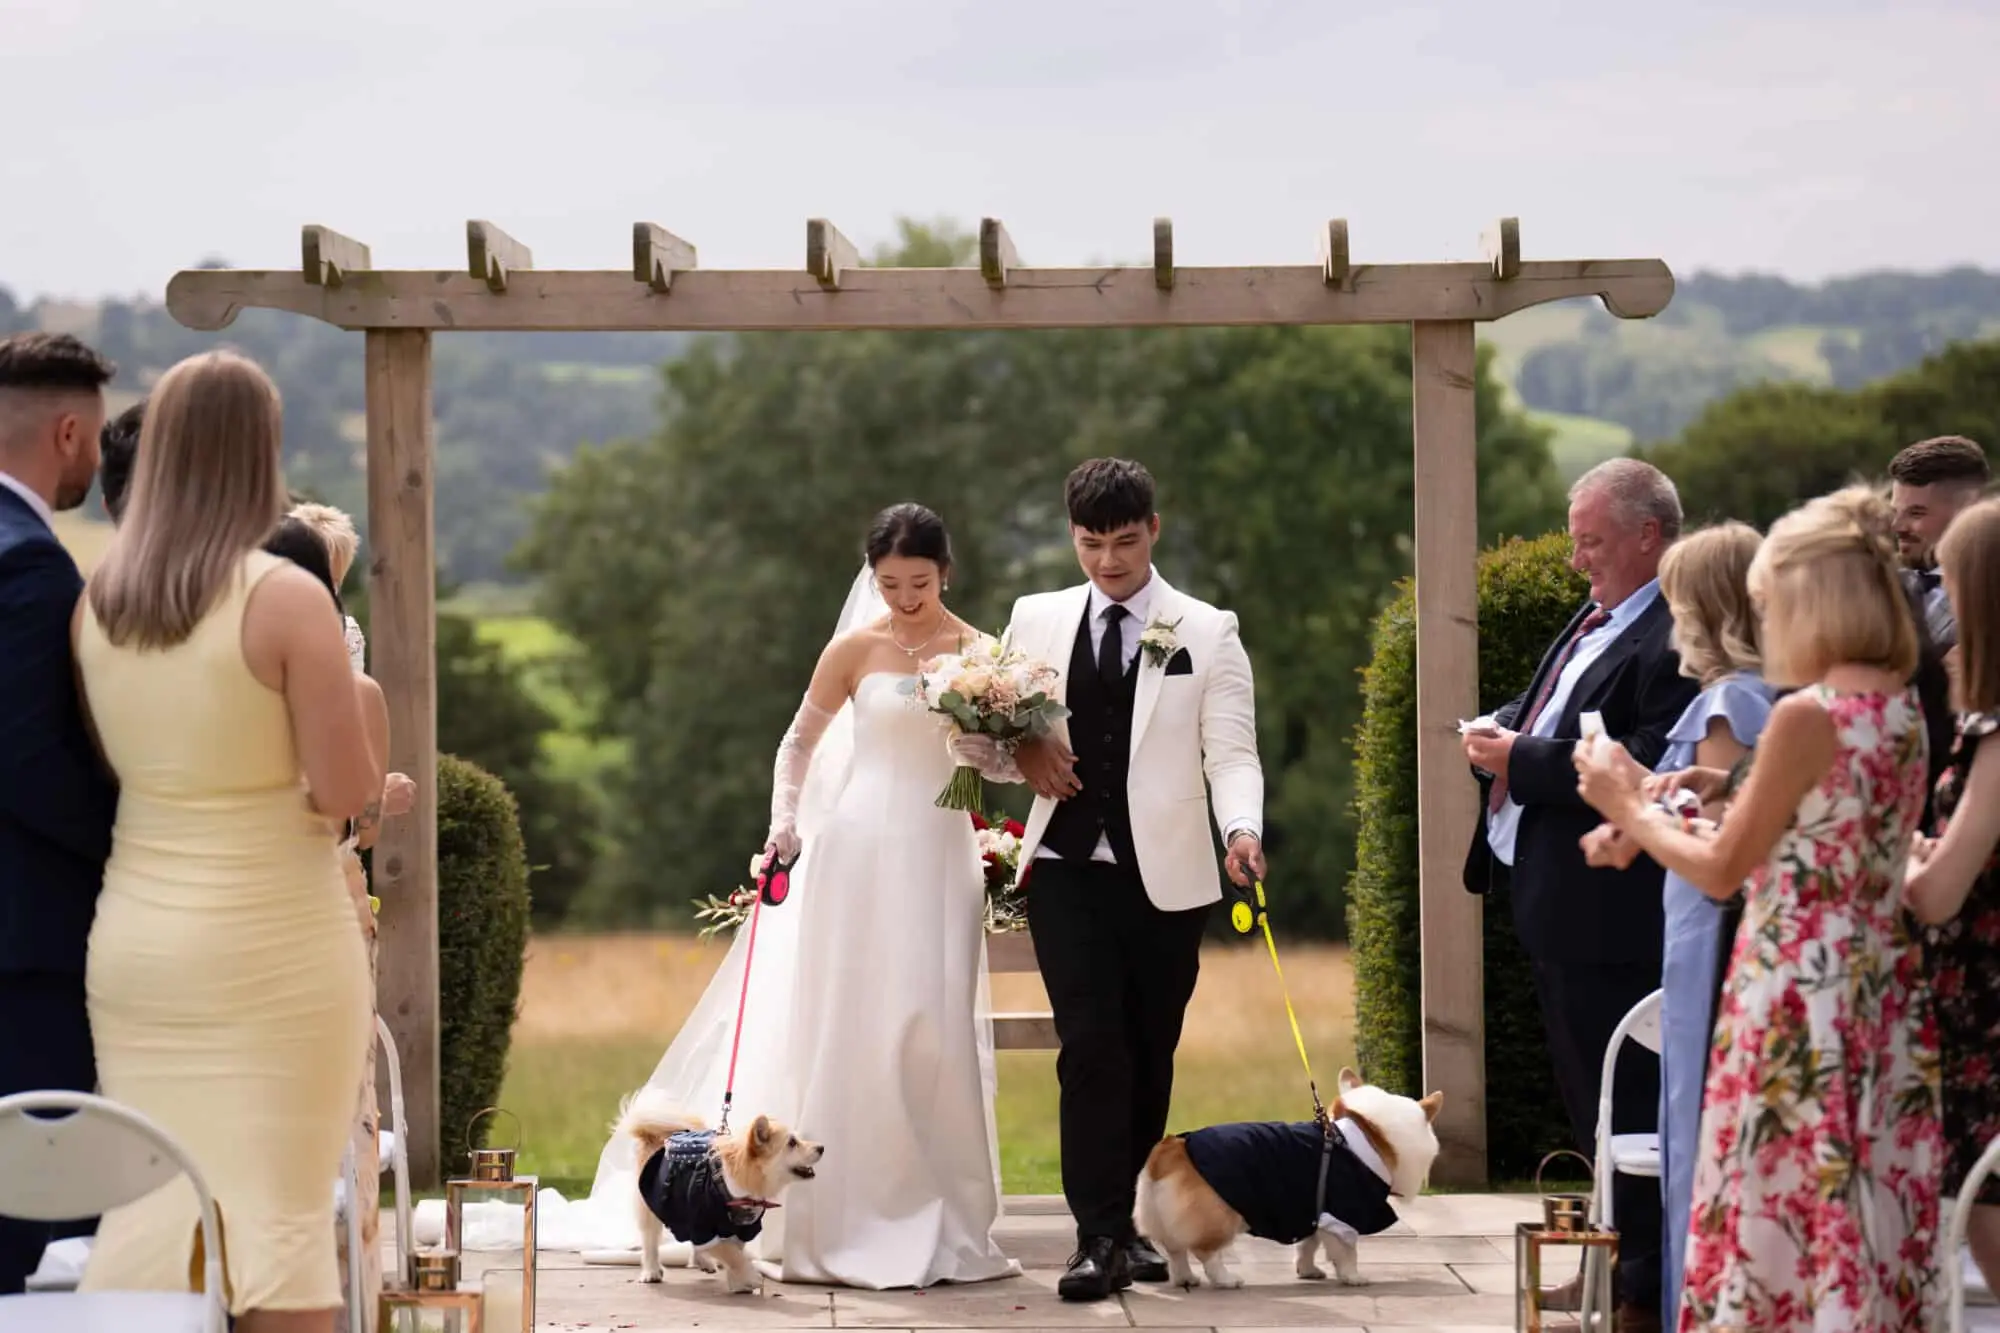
[227, 984]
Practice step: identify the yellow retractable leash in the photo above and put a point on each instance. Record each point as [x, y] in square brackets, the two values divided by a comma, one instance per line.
[1250, 912]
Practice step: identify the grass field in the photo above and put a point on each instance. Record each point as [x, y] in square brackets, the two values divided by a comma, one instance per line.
[598, 1011]
[1578, 444]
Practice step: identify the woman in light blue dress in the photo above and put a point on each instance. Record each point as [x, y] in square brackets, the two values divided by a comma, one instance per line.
[1704, 579]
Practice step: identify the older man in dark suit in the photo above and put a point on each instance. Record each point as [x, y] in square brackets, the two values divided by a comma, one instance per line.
[56, 802]
[1593, 935]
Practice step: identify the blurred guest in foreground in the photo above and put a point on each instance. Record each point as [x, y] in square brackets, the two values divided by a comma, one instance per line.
[1954, 885]
[228, 986]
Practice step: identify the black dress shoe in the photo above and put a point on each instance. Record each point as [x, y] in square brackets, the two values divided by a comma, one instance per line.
[1143, 1261]
[1097, 1270]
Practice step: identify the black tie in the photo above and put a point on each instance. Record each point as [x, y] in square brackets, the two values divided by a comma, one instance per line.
[1110, 650]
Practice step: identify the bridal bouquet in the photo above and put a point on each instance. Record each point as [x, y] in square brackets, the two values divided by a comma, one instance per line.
[987, 689]
[728, 913]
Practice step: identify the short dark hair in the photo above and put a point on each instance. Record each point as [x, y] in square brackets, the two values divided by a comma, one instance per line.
[297, 542]
[1951, 459]
[911, 531]
[118, 449]
[51, 361]
[1106, 494]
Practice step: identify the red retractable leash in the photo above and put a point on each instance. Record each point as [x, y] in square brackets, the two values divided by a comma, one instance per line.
[774, 885]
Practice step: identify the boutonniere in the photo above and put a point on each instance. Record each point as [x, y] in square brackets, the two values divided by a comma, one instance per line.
[1157, 640]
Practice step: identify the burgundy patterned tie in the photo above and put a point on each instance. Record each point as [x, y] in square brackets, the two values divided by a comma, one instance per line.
[1596, 619]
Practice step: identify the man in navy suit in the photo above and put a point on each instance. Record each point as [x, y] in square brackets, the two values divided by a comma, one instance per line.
[56, 800]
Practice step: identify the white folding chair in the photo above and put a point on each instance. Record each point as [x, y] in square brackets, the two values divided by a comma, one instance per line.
[393, 1149]
[1620, 1154]
[98, 1157]
[1961, 1220]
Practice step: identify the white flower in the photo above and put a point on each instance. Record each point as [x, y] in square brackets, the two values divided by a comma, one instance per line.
[1158, 640]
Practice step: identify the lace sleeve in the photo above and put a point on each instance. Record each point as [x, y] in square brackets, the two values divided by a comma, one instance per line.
[788, 777]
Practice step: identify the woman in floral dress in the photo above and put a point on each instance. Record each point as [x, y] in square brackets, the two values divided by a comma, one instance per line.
[1816, 1180]
[1954, 884]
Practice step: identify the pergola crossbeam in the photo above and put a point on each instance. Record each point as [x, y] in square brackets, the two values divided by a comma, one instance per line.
[997, 255]
[829, 255]
[327, 257]
[838, 295]
[492, 256]
[658, 254]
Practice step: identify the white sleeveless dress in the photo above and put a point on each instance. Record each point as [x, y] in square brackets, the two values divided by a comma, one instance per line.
[867, 1028]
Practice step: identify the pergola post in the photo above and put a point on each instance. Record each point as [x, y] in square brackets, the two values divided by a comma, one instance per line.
[402, 605]
[1451, 946]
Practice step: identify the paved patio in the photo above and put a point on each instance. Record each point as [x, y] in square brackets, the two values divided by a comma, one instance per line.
[1448, 1265]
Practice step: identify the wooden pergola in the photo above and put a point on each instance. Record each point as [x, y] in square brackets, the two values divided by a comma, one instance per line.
[663, 290]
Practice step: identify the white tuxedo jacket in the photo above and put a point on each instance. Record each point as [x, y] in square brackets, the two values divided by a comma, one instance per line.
[1185, 727]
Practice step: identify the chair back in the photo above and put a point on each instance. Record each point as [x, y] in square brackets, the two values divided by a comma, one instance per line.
[1642, 1023]
[1953, 1258]
[96, 1157]
[91, 1158]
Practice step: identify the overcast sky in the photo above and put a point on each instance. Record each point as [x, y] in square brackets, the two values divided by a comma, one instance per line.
[1802, 137]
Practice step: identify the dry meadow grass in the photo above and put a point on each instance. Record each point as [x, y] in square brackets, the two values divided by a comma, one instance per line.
[597, 1011]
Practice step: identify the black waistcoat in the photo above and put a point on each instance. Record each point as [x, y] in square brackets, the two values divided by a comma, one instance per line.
[1100, 731]
[683, 1186]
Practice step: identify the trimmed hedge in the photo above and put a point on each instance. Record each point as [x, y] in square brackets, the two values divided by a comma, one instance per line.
[482, 944]
[1527, 594]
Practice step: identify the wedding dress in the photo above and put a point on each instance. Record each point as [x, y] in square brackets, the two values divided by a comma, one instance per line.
[867, 1025]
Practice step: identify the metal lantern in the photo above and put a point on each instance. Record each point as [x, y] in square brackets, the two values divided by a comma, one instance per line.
[492, 1176]
[429, 1312]
[1565, 1224]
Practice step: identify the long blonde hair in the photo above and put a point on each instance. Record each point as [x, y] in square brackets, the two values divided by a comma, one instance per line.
[206, 491]
[1831, 590]
[1705, 577]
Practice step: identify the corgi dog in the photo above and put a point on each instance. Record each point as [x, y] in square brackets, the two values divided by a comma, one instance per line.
[1289, 1183]
[710, 1190]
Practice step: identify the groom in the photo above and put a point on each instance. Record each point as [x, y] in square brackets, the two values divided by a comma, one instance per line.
[1160, 697]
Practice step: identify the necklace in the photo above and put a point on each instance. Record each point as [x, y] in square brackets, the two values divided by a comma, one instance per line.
[926, 641]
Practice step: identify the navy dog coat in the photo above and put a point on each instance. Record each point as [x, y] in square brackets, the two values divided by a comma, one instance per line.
[683, 1186]
[1270, 1172]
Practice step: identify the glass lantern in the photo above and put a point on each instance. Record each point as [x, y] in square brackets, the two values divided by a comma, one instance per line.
[1598, 1266]
[492, 1176]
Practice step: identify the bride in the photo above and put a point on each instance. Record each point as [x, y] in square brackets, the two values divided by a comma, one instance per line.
[866, 1023]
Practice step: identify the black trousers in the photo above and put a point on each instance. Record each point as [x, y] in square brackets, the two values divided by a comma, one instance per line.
[1119, 973]
[1581, 1004]
[44, 1046]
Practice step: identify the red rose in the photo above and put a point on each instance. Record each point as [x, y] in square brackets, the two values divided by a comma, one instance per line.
[1015, 827]
[979, 822]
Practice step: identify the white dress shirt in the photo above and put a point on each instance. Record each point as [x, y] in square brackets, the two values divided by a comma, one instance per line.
[35, 502]
[1505, 823]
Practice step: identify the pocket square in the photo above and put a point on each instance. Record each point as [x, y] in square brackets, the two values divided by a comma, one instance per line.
[1180, 664]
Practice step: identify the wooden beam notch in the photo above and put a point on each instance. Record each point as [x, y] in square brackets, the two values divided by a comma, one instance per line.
[491, 254]
[1335, 264]
[658, 254]
[328, 257]
[1502, 243]
[1163, 254]
[997, 255]
[828, 253]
